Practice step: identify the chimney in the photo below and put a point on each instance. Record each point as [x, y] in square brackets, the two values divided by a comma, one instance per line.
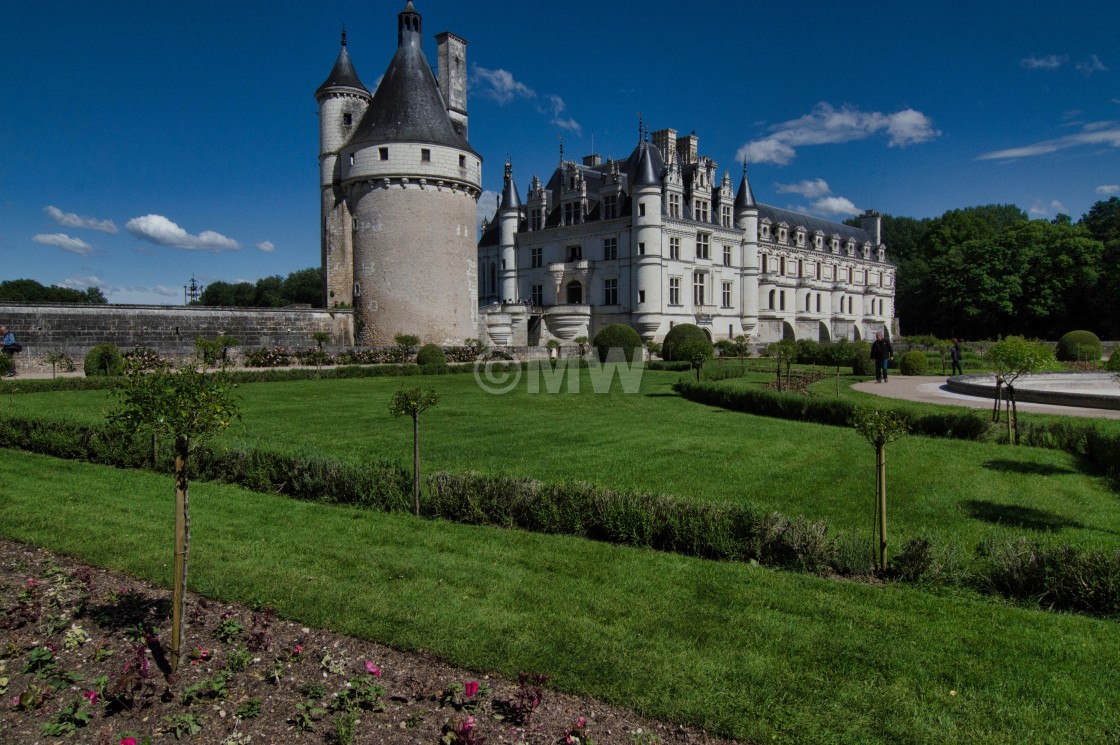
[872, 223]
[592, 160]
[452, 62]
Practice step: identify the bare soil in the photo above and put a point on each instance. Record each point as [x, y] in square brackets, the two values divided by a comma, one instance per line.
[83, 659]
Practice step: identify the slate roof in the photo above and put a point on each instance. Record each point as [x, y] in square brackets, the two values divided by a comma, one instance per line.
[342, 75]
[812, 224]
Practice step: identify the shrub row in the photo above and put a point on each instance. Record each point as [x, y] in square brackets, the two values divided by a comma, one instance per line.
[837, 412]
[1058, 577]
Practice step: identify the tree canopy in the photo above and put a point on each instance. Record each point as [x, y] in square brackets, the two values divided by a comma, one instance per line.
[30, 291]
[302, 287]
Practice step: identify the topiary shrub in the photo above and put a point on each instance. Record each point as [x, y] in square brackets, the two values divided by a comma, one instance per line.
[1077, 346]
[914, 363]
[862, 364]
[431, 354]
[104, 360]
[687, 343]
[1113, 363]
[620, 337]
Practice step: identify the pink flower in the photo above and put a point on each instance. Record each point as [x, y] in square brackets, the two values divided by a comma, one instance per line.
[128, 741]
[15, 701]
[467, 725]
[298, 649]
[471, 688]
[32, 582]
[580, 722]
[373, 669]
[91, 696]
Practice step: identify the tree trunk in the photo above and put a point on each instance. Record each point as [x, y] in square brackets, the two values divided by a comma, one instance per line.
[416, 461]
[1012, 416]
[881, 494]
[837, 382]
[995, 407]
[155, 450]
[182, 545]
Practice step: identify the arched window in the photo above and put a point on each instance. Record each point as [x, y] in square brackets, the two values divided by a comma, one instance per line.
[773, 296]
[574, 293]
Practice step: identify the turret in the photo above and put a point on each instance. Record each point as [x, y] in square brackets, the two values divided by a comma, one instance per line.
[645, 195]
[509, 215]
[746, 220]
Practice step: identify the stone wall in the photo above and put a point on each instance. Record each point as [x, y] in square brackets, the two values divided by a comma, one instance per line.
[170, 330]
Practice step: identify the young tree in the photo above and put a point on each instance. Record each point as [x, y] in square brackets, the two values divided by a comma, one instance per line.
[406, 345]
[191, 406]
[413, 402]
[838, 354]
[783, 352]
[1011, 359]
[880, 428]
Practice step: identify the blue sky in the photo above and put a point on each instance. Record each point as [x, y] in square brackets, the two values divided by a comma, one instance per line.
[145, 143]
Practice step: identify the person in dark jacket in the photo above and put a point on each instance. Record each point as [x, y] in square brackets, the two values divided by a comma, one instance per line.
[10, 348]
[881, 354]
[955, 356]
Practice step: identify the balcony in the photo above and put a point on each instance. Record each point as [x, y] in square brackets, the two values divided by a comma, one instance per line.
[563, 267]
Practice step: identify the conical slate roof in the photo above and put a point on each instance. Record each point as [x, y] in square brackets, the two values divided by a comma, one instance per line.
[408, 106]
[510, 198]
[648, 166]
[745, 198]
[343, 74]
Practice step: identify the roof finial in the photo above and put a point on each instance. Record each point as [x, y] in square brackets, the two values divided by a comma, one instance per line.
[344, 34]
[561, 138]
[640, 126]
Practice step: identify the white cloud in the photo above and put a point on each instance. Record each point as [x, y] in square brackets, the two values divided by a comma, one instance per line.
[82, 283]
[808, 189]
[556, 103]
[569, 124]
[1108, 189]
[65, 242]
[266, 246]
[1105, 134]
[161, 231]
[829, 125]
[487, 206]
[70, 220]
[1046, 210]
[499, 85]
[1091, 65]
[1049, 62]
[835, 206]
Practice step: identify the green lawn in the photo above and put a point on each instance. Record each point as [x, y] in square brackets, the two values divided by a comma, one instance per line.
[745, 651]
[654, 441]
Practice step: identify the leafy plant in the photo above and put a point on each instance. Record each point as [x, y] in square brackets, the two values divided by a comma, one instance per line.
[238, 659]
[461, 733]
[621, 339]
[229, 629]
[530, 690]
[306, 716]
[260, 636]
[181, 725]
[413, 402]
[211, 688]
[313, 690]
[251, 709]
[406, 343]
[59, 361]
[73, 716]
[104, 360]
[688, 343]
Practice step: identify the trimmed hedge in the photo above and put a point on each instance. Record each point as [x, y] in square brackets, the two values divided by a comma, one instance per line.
[104, 360]
[431, 354]
[1077, 346]
[862, 364]
[1057, 577]
[914, 363]
[837, 412]
[617, 336]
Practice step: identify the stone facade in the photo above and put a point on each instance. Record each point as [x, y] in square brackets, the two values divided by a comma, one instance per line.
[171, 331]
[659, 239]
[399, 186]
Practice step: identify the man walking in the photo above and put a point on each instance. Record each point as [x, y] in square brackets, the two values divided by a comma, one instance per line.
[10, 348]
[881, 354]
[955, 356]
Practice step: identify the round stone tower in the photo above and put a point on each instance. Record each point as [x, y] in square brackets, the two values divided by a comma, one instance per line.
[746, 220]
[411, 182]
[343, 101]
[645, 193]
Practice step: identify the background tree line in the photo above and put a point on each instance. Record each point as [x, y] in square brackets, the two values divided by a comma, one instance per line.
[989, 271]
[304, 286]
[30, 291]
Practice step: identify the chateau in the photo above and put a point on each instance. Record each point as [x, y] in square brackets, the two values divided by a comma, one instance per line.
[652, 241]
[399, 185]
[660, 239]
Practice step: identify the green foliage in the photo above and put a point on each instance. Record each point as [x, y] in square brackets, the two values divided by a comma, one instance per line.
[413, 401]
[104, 360]
[1113, 363]
[30, 291]
[186, 403]
[6, 364]
[808, 352]
[862, 364]
[880, 426]
[406, 343]
[619, 337]
[1015, 356]
[431, 354]
[304, 287]
[215, 351]
[1077, 346]
[914, 363]
[686, 342]
[59, 361]
[1056, 577]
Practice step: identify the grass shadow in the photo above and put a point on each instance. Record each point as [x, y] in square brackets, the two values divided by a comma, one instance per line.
[1029, 469]
[1016, 516]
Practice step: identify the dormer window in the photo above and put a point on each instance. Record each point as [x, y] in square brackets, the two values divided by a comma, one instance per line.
[610, 206]
[800, 237]
[818, 241]
[764, 230]
[783, 234]
[675, 205]
[851, 248]
[700, 210]
[834, 244]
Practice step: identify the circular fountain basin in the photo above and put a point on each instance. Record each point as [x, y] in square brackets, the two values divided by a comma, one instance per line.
[1096, 390]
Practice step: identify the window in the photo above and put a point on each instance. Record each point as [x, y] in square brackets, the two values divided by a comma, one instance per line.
[347, 119]
[675, 205]
[537, 295]
[610, 249]
[610, 292]
[641, 249]
[725, 215]
[536, 219]
[765, 229]
[727, 255]
[703, 245]
[782, 232]
[425, 155]
[462, 161]
[675, 249]
[808, 300]
[818, 302]
[726, 294]
[782, 300]
[383, 153]
[575, 253]
[782, 266]
[674, 290]
[357, 289]
[641, 296]
[700, 210]
[351, 159]
[773, 295]
[573, 213]
[353, 223]
[641, 209]
[610, 206]
[800, 268]
[536, 257]
[698, 288]
[800, 236]
[818, 273]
